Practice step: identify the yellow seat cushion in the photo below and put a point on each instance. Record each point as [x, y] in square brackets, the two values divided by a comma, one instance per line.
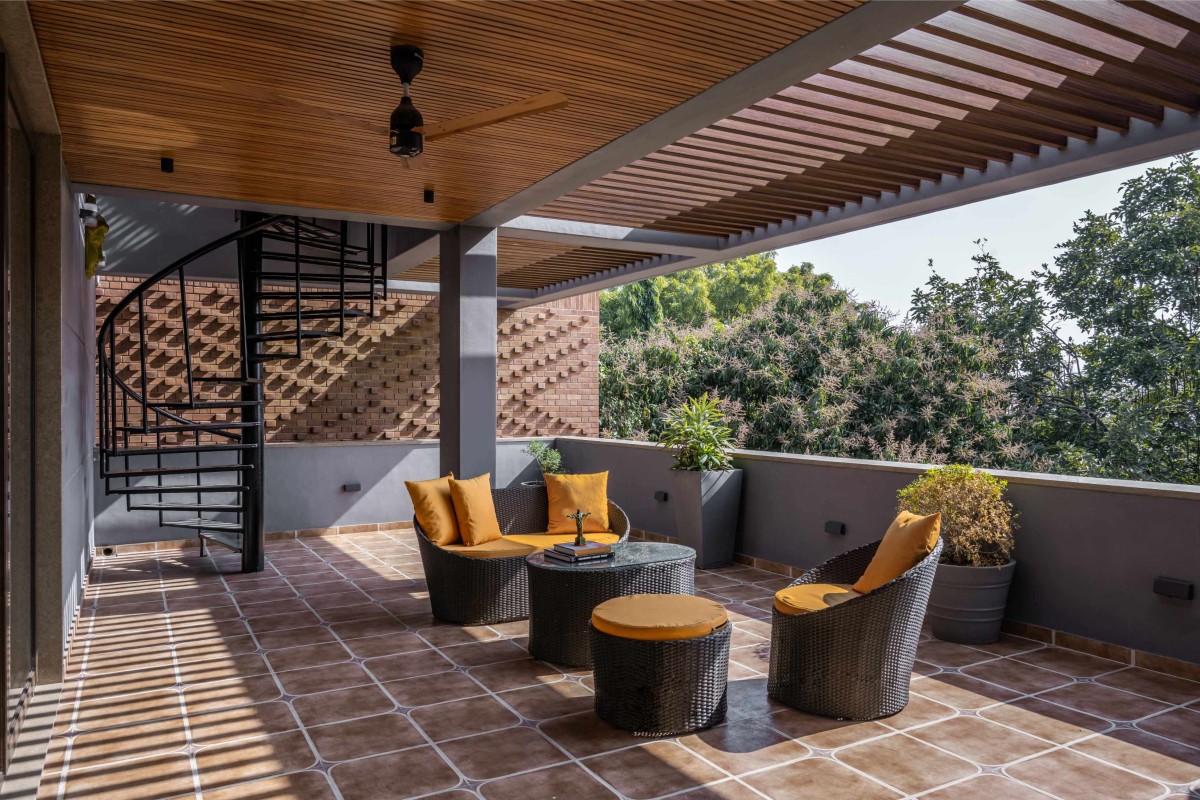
[567, 493]
[434, 509]
[812, 597]
[504, 547]
[544, 540]
[474, 510]
[908, 540]
[659, 617]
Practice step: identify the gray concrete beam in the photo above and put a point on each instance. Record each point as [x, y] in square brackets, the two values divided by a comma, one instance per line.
[610, 237]
[833, 43]
[409, 248]
[467, 355]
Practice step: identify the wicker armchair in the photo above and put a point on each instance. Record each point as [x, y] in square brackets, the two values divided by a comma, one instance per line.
[481, 591]
[853, 660]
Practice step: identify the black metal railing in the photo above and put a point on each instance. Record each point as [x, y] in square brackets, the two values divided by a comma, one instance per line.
[166, 442]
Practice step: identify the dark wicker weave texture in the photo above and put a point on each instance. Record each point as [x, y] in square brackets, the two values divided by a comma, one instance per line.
[853, 660]
[562, 602]
[482, 591]
[661, 688]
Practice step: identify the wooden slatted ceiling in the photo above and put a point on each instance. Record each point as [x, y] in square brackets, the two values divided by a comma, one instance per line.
[980, 84]
[215, 84]
[529, 264]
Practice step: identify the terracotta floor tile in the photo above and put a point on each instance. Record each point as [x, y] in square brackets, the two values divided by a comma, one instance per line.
[756, 657]
[515, 674]
[962, 691]
[652, 770]
[313, 655]
[1046, 720]
[1181, 724]
[744, 592]
[296, 637]
[407, 665]
[947, 654]
[821, 733]
[725, 790]
[518, 627]
[262, 593]
[743, 745]
[128, 709]
[226, 694]
[252, 759]
[1069, 662]
[979, 740]
[747, 697]
[246, 665]
[993, 787]
[323, 678]
[714, 582]
[565, 782]
[366, 736]
[327, 587]
[1071, 776]
[1009, 645]
[375, 626]
[483, 653]
[336, 599]
[1018, 676]
[252, 611]
[296, 786]
[817, 779]
[118, 744]
[245, 722]
[454, 634]
[500, 753]
[205, 649]
[550, 700]
[113, 685]
[436, 688]
[343, 704]
[283, 622]
[584, 735]
[158, 776]
[1161, 759]
[375, 778]
[905, 763]
[1166, 688]
[463, 718]
[919, 711]
[361, 612]
[389, 644]
[1101, 701]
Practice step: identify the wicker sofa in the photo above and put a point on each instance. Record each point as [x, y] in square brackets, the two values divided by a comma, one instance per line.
[467, 590]
[853, 660]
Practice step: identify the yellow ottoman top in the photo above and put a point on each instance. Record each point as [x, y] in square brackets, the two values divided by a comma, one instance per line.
[659, 617]
[808, 597]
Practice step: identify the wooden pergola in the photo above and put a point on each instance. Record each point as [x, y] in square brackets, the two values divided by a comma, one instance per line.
[694, 132]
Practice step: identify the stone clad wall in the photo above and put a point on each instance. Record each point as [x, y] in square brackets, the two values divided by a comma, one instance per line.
[380, 381]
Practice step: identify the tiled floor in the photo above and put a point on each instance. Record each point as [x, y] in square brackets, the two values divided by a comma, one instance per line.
[326, 677]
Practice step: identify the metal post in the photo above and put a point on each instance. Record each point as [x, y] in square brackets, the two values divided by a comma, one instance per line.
[253, 532]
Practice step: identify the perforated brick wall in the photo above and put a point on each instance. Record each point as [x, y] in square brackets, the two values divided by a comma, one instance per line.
[379, 381]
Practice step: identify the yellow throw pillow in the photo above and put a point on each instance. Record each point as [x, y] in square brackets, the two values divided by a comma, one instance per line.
[434, 509]
[908, 540]
[567, 493]
[474, 509]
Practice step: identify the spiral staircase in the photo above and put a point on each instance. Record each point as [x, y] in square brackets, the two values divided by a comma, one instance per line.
[181, 428]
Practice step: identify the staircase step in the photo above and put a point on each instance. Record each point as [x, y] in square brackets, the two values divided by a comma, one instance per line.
[181, 448]
[284, 336]
[321, 294]
[177, 488]
[164, 506]
[209, 404]
[324, 313]
[226, 379]
[231, 540]
[199, 523]
[150, 472]
[318, 277]
[318, 261]
[191, 426]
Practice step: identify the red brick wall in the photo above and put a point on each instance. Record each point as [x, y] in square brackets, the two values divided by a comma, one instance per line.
[380, 381]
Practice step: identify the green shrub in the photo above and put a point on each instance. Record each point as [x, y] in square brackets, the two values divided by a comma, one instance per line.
[977, 522]
[697, 432]
[548, 458]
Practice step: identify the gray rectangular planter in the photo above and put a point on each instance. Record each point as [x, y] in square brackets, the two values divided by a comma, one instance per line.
[706, 513]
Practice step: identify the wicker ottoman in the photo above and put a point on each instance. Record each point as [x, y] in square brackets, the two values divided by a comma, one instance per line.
[661, 663]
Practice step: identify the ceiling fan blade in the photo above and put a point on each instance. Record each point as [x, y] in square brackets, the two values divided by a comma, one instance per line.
[547, 101]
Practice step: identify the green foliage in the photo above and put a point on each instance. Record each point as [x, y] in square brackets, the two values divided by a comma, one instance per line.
[548, 459]
[697, 432]
[977, 522]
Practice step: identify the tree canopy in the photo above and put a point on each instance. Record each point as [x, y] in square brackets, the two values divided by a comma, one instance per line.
[977, 373]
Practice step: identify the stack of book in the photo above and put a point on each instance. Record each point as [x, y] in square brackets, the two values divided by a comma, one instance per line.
[575, 553]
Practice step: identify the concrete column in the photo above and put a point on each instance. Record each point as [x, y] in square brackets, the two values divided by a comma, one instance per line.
[467, 348]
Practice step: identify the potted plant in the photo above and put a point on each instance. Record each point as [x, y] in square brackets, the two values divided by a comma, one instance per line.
[970, 589]
[708, 490]
[548, 460]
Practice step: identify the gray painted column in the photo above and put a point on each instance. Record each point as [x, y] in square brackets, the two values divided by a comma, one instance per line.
[467, 347]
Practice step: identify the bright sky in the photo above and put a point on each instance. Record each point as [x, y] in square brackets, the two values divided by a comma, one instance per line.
[887, 262]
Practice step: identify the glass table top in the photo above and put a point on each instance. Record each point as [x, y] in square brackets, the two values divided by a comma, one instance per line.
[627, 554]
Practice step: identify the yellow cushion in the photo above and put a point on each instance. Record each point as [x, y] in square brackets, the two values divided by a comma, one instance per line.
[659, 617]
[568, 493]
[812, 597]
[504, 547]
[434, 509]
[474, 509]
[908, 540]
[543, 540]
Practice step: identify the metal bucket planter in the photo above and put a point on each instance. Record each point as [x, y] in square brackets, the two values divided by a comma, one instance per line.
[967, 603]
[707, 505]
[533, 484]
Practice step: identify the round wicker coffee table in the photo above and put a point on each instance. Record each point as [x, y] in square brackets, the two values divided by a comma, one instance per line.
[562, 596]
